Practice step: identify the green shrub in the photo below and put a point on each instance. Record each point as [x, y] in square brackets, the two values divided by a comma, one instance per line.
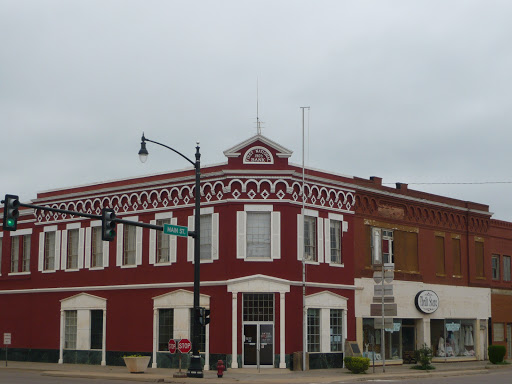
[357, 364]
[496, 353]
[424, 357]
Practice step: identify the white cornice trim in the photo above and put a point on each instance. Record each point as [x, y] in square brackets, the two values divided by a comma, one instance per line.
[172, 285]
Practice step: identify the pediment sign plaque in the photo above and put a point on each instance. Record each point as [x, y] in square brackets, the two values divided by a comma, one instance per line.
[258, 155]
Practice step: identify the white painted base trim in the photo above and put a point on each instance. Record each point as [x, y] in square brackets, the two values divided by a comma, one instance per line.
[282, 365]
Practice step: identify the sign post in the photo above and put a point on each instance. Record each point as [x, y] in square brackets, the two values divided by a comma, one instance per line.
[183, 346]
[7, 342]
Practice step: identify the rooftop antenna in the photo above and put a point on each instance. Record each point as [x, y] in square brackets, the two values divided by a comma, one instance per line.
[258, 122]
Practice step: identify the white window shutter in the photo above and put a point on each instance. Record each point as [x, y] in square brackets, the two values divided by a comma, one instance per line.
[88, 239]
[300, 237]
[57, 251]
[320, 241]
[138, 246]
[64, 250]
[173, 243]
[81, 232]
[215, 236]
[275, 224]
[241, 243]
[152, 244]
[327, 234]
[106, 247]
[119, 253]
[40, 267]
[190, 240]
[376, 246]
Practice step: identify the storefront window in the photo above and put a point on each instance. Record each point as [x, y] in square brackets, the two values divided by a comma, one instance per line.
[372, 340]
[452, 338]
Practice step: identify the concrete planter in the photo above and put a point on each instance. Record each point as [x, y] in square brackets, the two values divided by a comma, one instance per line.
[137, 364]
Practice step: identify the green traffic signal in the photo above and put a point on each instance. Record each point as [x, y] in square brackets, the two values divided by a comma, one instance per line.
[11, 212]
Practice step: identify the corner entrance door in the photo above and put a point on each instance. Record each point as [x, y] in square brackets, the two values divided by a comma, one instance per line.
[258, 344]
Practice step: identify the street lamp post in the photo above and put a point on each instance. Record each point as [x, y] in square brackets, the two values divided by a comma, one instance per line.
[195, 369]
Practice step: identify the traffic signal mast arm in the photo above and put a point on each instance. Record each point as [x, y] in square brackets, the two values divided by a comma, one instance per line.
[98, 217]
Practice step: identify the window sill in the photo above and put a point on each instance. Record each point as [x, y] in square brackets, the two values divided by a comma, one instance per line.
[49, 271]
[457, 276]
[260, 259]
[440, 274]
[166, 264]
[129, 266]
[96, 268]
[481, 278]
[336, 265]
[71, 270]
[18, 273]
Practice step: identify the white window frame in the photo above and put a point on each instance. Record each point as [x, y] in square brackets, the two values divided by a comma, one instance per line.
[214, 235]
[495, 267]
[83, 304]
[120, 244]
[506, 269]
[377, 238]
[64, 247]
[88, 247]
[327, 232]
[153, 240]
[22, 233]
[319, 234]
[41, 261]
[275, 232]
[325, 301]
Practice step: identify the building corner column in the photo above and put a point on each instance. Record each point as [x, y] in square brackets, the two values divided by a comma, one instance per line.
[155, 337]
[282, 338]
[104, 340]
[61, 341]
[234, 329]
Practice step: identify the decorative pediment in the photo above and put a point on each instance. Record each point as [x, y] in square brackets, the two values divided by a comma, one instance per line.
[181, 298]
[326, 299]
[258, 284]
[83, 301]
[258, 149]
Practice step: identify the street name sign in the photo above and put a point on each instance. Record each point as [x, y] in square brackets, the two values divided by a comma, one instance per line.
[386, 288]
[388, 323]
[176, 230]
[389, 310]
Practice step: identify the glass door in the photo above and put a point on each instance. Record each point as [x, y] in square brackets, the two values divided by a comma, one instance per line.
[250, 344]
[266, 344]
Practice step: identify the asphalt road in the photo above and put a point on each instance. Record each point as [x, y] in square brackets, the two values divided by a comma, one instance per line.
[35, 377]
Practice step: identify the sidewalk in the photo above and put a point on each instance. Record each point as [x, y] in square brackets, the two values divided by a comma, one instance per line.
[252, 375]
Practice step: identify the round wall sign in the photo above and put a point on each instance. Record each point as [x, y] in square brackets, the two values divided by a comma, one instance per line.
[427, 301]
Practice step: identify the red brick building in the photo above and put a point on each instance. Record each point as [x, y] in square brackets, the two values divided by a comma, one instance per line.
[97, 301]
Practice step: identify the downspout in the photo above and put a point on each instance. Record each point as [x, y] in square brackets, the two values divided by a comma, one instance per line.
[467, 242]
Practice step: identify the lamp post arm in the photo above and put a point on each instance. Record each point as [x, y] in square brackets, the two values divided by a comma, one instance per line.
[172, 149]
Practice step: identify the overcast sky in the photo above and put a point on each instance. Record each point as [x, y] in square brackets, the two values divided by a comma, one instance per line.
[411, 91]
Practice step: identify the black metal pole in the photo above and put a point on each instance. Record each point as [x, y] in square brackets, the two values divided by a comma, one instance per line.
[195, 369]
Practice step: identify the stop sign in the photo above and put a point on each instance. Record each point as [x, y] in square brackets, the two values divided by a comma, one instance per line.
[172, 346]
[184, 346]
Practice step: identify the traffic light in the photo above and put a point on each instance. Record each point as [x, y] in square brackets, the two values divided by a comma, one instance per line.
[206, 316]
[108, 225]
[203, 316]
[11, 213]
